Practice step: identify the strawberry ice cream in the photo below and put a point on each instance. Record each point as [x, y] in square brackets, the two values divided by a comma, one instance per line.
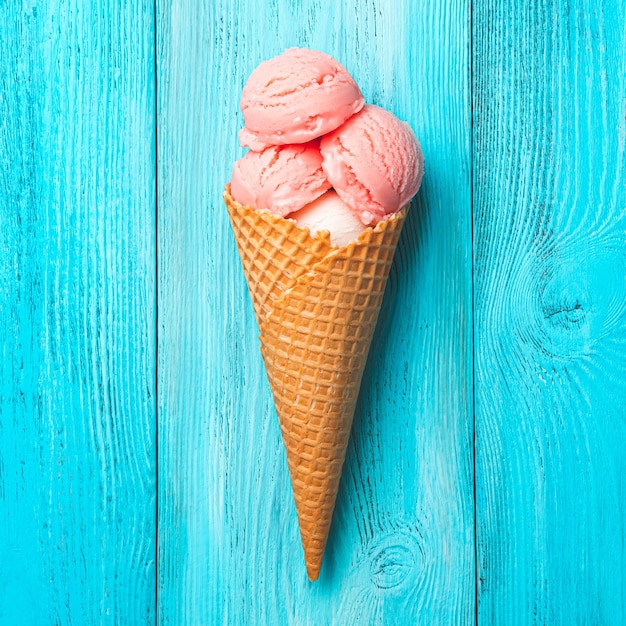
[374, 162]
[296, 97]
[280, 179]
[308, 131]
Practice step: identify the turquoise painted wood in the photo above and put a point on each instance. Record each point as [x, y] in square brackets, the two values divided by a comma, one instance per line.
[550, 310]
[142, 474]
[401, 549]
[77, 313]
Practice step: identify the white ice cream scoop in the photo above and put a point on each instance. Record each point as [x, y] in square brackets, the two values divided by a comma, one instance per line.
[329, 212]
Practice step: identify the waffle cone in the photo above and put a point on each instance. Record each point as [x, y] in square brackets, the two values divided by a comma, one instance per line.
[317, 307]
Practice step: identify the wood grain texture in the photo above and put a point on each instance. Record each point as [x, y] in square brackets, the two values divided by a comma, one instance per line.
[550, 305]
[401, 548]
[77, 313]
[78, 531]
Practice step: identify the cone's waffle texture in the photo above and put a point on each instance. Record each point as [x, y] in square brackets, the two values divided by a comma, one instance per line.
[317, 306]
[274, 251]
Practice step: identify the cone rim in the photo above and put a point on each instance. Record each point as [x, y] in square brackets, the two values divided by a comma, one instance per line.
[322, 235]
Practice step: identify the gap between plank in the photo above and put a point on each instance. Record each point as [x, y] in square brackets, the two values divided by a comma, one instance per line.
[156, 318]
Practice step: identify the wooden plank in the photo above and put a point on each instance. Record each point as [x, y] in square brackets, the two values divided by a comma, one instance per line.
[77, 313]
[401, 548]
[550, 307]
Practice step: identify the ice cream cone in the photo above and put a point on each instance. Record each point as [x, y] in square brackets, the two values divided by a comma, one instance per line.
[317, 307]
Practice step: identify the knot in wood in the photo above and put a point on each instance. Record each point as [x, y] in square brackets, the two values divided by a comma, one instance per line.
[394, 558]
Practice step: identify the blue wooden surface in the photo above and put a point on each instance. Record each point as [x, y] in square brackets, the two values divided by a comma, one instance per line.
[550, 310]
[77, 314]
[401, 546]
[502, 336]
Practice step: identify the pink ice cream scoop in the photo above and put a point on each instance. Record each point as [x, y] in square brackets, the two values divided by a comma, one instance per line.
[296, 97]
[374, 162]
[329, 212]
[281, 179]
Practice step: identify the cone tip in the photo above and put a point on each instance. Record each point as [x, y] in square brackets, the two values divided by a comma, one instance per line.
[313, 568]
